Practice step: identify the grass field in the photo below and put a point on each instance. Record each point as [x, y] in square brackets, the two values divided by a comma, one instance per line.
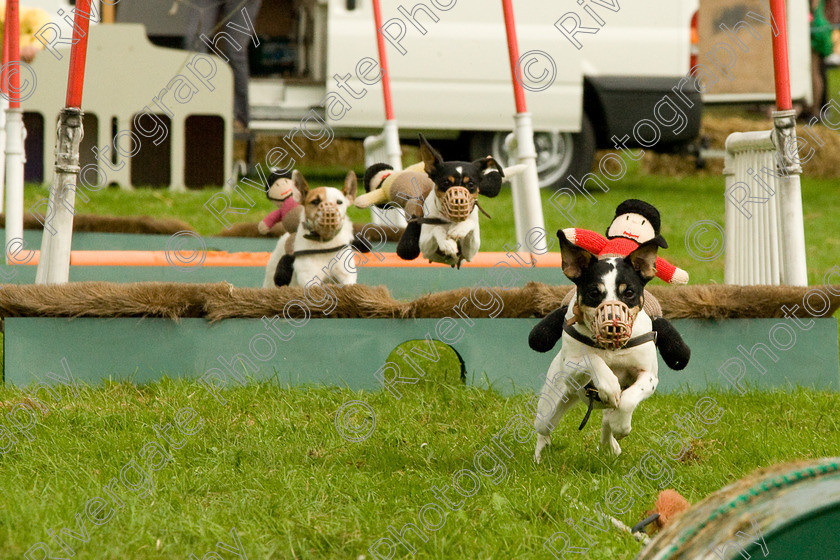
[272, 464]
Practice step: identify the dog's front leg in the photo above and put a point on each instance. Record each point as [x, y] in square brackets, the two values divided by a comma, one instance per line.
[460, 230]
[447, 246]
[620, 418]
[609, 389]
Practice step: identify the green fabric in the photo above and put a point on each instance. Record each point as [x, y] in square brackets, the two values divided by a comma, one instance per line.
[821, 41]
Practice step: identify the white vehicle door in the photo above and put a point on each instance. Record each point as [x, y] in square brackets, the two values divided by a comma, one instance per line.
[453, 73]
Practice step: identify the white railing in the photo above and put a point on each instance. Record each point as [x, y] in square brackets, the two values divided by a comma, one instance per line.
[759, 187]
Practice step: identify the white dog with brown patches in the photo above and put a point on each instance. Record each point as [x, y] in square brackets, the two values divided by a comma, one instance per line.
[322, 246]
[609, 354]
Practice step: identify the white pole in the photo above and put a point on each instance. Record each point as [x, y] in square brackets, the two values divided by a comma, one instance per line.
[54, 266]
[393, 152]
[795, 270]
[527, 205]
[15, 134]
[4, 106]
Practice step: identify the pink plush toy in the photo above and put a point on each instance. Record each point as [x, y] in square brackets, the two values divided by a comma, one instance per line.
[279, 192]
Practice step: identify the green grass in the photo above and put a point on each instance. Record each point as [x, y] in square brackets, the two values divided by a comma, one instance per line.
[682, 202]
[271, 463]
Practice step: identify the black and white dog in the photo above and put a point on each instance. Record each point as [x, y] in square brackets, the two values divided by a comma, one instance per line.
[608, 355]
[448, 231]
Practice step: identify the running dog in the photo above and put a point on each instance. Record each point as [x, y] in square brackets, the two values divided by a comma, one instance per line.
[323, 232]
[609, 354]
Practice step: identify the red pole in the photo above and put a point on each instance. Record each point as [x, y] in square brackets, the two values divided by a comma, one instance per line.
[513, 51]
[11, 40]
[780, 56]
[78, 54]
[383, 61]
[3, 83]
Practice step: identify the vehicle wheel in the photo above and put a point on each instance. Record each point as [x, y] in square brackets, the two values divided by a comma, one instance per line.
[559, 154]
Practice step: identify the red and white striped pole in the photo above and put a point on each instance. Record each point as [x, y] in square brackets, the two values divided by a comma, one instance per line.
[15, 133]
[527, 205]
[389, 140]
[794, 268]
[54, 265]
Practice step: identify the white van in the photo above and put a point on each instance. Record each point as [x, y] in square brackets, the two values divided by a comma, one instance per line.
[594, 69]
[451, 77]
[450, 72]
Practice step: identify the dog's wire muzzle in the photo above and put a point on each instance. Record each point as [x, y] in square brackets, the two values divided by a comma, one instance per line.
[457, 203]
[613, 323]
[327, 221]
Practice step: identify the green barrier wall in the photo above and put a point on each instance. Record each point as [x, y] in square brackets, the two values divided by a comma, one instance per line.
[348, 352]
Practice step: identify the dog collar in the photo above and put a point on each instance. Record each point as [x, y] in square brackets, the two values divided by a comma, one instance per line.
[635, 341]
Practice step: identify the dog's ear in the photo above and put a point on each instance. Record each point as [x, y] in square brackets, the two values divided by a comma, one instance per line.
[643, 259]
[350, 186]
[491, 176]
[575, 259]
[431, 158]
[301, 186]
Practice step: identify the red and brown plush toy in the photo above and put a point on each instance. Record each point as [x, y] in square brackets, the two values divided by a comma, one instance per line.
[669, 505]
[635, 222]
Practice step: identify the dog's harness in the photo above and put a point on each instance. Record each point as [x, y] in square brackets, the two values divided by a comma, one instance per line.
[319, 251]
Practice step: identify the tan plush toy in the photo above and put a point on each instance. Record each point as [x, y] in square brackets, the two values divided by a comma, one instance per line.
[407, 188]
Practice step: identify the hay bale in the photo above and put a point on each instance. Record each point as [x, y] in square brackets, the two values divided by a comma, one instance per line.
[547, 297]
[169, 300]
[717, 129]
[355, 301]
[223, 301]
[338, 152]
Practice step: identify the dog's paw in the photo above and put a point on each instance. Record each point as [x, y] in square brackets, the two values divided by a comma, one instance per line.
[459, 231]
[542, 441]
[609, 445]
[610, 393]
[449, 248]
